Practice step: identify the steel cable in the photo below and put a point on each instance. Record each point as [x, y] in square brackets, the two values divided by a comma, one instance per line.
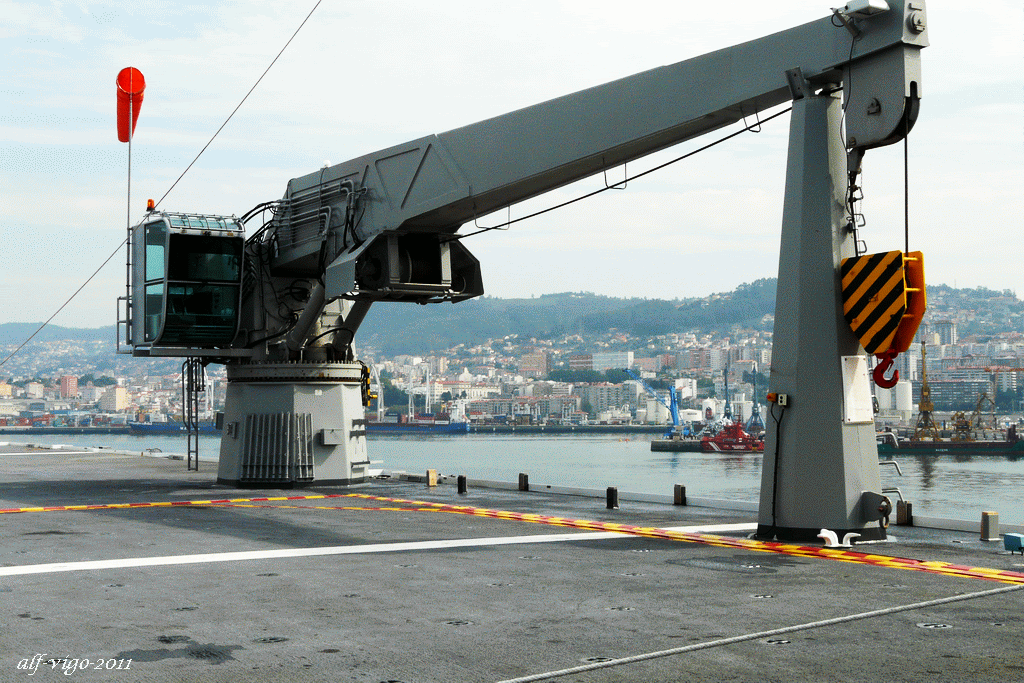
[168, 189]
[761, 634]
[588, 195]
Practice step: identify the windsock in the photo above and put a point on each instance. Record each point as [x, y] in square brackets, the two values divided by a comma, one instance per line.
[130, 86]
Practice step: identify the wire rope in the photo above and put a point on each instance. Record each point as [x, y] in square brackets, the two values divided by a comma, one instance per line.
[764, 634]
[40, 329]
[588, 195]
[906, 189]
[274, 61]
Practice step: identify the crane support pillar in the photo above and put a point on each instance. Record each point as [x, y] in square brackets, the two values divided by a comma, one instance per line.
[290, 424]
[820, 458]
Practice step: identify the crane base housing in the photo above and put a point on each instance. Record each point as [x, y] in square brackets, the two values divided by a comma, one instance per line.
[293, 424]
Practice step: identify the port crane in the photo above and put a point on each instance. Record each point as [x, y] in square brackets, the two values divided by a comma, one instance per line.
[964, 426]
[278, 294]
[672, 404]
[755, 424]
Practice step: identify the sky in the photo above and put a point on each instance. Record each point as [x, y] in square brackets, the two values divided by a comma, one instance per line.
[362, 76]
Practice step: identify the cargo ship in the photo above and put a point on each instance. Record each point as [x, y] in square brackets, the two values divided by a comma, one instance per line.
[986, 447]
[425, 423]
[169, 427]
[417, 427]
[372, 427]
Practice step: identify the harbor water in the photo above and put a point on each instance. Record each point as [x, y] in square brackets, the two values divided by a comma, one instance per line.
[951, 486]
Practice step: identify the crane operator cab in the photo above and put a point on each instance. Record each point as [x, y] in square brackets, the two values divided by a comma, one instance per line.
[186, 283]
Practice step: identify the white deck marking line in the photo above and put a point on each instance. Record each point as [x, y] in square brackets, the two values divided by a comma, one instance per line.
[129, 562]
[52, 452]
[714, 528]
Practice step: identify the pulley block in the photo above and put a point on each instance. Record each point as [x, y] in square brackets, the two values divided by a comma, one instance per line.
[883, 302]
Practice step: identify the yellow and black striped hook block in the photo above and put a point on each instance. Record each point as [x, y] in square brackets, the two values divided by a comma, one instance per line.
[884, 299]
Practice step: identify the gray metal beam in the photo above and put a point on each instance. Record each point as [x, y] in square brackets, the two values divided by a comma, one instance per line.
[820, 456]
[439, 182]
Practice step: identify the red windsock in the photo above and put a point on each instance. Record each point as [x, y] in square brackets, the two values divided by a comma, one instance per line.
[130, 85]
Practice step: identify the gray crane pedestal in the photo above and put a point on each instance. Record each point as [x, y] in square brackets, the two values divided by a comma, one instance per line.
[820, 459]
[293, 424]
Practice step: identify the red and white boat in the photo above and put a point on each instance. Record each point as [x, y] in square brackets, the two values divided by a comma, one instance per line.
[732, 439]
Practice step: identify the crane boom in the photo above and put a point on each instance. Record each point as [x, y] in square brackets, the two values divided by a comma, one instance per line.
[672, 403]
[439, 182]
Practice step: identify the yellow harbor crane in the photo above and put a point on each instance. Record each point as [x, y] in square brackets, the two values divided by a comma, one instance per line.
[925, 429]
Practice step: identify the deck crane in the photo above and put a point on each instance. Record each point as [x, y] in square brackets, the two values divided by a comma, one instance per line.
[676, 431]
[281, 306]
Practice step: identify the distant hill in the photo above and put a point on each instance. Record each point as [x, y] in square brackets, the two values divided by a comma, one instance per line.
[74, 351]
[400, 328]
[395, 329]
[16, 333]
[404, 328]
[747, 305]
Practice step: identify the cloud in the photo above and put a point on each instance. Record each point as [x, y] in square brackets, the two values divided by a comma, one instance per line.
[362, 77]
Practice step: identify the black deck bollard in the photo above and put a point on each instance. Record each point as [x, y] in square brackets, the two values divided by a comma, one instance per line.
[680, 495]
[524, 482]
[613, 498]
[462, 483]
[904, 513]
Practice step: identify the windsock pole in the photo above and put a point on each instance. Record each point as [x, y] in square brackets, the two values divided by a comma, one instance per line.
[130, 88]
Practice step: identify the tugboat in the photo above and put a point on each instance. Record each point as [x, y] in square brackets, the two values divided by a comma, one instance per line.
[732, 439]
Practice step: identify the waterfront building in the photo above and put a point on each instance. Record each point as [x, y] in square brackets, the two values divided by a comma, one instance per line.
[525, 409]
[114, 399]
[656, 412]
[581, 362]
[68, 386]
[946, 330]
[608, 360]
[686, 388]
[955, 394]
[535, 365]
[602, 396]
[90, 393]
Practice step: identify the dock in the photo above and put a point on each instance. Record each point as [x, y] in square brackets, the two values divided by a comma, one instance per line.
[120, 567]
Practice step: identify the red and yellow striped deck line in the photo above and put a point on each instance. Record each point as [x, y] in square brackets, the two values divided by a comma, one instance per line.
[843, 555]
[173, 503]
[840, 554]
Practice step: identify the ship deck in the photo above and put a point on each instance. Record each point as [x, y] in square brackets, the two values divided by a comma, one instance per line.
[400, 582]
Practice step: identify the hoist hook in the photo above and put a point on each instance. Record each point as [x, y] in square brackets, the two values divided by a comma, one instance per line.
[884, 364]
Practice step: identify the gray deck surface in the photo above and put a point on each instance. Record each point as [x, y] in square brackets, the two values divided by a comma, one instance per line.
[470, 613]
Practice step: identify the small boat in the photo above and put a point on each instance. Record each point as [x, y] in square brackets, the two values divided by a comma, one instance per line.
[732, 438]
[676, 445]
